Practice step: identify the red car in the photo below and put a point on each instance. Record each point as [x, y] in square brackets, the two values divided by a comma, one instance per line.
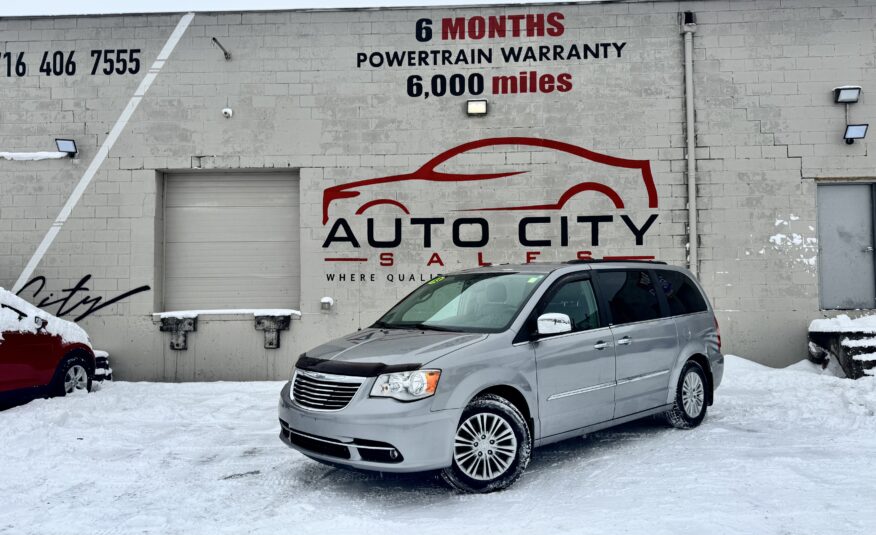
[41, 354]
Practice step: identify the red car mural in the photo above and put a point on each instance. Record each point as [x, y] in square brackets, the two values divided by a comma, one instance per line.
[40, 353]
[429, 173]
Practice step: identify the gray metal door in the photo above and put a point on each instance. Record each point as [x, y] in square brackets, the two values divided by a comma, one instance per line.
[575, 370]
[845, 237]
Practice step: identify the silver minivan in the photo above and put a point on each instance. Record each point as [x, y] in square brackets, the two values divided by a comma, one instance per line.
[473, 369]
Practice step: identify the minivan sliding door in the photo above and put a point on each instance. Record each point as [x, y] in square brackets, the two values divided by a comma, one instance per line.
[646, 343]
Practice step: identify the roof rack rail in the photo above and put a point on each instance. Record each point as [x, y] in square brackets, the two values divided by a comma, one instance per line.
[602, 260]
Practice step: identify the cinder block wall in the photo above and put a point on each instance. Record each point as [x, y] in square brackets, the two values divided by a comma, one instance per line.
[766, 126]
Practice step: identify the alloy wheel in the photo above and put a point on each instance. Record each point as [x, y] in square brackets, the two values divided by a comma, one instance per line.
[76, 378]
[485, 446]
[692, 394]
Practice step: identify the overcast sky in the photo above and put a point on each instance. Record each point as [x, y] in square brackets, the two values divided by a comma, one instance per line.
[78, 7]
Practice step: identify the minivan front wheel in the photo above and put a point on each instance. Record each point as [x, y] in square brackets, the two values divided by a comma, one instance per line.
[491, 448]
[690, 405]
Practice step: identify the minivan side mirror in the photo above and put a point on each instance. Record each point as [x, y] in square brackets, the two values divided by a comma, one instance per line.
[554, 323]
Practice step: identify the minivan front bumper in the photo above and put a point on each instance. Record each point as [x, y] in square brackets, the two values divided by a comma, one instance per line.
[380, 434]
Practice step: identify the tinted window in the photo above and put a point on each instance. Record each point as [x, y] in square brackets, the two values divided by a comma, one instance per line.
[576, 300]
[630, 294]
[681, 293]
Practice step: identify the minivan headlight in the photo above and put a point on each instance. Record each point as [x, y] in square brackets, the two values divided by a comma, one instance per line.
[406, 386]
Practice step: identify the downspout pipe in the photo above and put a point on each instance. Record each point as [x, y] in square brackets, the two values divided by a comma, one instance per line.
[688, 25]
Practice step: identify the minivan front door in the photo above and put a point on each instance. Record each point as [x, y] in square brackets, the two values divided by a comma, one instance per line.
[646, 343]
[576, 369]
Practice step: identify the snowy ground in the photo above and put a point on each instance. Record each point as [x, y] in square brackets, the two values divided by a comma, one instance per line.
[781, 451]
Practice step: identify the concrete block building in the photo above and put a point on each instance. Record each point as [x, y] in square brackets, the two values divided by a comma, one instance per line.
[235, 165]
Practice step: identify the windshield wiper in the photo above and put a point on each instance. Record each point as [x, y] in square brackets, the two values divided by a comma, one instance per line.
[428, 327]
[395, 326]
[411, 327]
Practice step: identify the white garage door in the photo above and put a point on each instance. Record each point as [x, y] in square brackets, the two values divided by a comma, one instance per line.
[231, 240]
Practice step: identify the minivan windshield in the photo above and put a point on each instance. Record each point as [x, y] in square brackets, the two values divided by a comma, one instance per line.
[471, 302]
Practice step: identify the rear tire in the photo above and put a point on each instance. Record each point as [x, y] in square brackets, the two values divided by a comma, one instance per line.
[73, 374]
[492, 446]
[690, 405]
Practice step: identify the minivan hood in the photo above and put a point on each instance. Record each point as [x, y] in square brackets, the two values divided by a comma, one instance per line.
[393, 347]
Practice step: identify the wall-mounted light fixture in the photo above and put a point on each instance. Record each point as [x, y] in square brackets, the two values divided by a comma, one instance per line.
[846, 94]
[850, 94]
[66, 145]
[855, 131]
[476, 107]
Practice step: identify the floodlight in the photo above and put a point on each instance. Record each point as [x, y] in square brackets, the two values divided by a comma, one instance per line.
[846, 94]
[855, 131]
[66, 145]
[476, 107]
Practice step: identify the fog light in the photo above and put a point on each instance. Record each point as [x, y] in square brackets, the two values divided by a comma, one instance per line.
[393, 454]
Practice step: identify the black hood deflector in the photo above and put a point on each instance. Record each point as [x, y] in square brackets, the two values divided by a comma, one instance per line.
[356, 369]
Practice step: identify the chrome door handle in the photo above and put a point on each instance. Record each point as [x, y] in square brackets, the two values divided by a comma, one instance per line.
[868, 249]
[625, 341]
[600, 345]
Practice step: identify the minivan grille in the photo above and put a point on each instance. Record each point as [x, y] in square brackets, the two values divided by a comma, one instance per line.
[323, 391]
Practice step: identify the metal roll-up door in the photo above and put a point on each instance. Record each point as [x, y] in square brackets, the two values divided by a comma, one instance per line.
[231, 240]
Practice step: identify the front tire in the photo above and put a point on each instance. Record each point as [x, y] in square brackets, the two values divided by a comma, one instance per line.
[73, 375]
[492, 446]
[690, 405]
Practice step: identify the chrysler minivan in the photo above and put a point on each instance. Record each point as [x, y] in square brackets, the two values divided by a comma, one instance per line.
[473, 369]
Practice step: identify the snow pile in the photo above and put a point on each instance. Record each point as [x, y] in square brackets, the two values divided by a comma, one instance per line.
[841, 398]
[863, 342]
[781, 451]
[102, 369]
[9, 320]
[185, 314]
[842, 323]
[31, 156]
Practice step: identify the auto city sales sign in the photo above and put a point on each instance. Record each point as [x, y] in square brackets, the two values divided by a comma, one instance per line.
[458, 203]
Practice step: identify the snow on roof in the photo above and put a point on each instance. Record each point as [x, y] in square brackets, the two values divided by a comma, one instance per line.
[69, 332]
[843, 323]
[183, 314]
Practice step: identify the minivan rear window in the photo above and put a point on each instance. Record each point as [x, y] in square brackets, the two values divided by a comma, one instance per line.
[682, 294]
[630, 294]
